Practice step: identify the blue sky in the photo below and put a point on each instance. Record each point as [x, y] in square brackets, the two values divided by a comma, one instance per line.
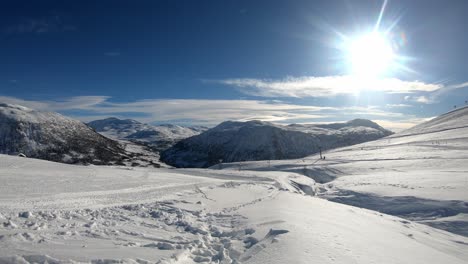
[202, 62]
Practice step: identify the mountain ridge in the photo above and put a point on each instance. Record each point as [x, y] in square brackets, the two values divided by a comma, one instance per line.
[54, 137]
[233, 141]
[157, 137]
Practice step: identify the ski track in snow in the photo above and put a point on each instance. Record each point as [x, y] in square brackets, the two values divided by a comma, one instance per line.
[249, 212]
[419, 174]
[58, 213]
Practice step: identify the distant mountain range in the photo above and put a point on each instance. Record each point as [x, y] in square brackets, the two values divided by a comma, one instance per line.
[158, 137]
[51, 136]
[112, 141]
[257, 140]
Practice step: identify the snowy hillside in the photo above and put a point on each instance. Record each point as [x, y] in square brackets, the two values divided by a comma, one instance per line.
[58, 213]
[158, 137]
[51, 136]
[117, 128]
[248, 212]
[419, 174]
[452, 120]
[257, 140]
[54, 137]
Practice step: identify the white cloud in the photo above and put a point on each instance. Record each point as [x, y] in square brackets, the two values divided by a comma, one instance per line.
[324, 86]
[202, 111]
[459, 86]
[421, 99]
[72, 103]
[398, 105]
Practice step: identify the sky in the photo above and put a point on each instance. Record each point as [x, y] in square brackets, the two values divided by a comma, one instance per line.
[204, 62]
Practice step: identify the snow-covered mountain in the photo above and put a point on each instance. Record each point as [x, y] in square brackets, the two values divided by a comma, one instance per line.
[247, 212]
[51, 136]
[419, 174]
[158, 137]
[256, 140]
[455, 119]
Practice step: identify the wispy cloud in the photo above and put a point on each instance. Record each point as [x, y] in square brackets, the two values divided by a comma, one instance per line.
[433, 97]
[72, 103]
[422, 99]
[324, 86]
[398, 105]
[203, 111]
[41, 25]
[447, 89]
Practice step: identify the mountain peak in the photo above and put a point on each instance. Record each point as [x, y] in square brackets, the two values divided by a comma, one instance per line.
[233, 141]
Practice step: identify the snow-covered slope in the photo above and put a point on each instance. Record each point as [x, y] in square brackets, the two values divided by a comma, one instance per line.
[117, 128]
[59, 213]
[452, 120]
[52, 136]
[420, 174]
[257, 140]
[158, 137]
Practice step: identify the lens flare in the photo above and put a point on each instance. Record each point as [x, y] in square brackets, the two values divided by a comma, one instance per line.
[370, 55]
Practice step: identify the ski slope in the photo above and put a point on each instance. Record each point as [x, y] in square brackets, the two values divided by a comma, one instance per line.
[401, 199]
[58, 213]
[420, 174]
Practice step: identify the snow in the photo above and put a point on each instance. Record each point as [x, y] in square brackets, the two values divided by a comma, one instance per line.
[58, 213]
[51, 136]
[420, 175]
[457, 118]
[257, 140]
[159, 137]
[279, 211]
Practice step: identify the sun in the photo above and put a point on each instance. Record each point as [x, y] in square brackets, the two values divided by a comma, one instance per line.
[370, 55]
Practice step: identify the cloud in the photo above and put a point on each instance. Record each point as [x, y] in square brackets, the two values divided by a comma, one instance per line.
[72, 103]
[201, 111]
[432, 97]
[42, 25]
[421, 99]
[327, 86]
[398, 105]
[449, 88]
[459, 86]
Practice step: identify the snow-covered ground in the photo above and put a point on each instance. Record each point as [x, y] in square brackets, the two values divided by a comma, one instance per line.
[420, 174]
[61, 213]
[414, 183]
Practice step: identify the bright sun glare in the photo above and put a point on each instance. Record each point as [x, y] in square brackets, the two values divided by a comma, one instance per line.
[370, 55]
